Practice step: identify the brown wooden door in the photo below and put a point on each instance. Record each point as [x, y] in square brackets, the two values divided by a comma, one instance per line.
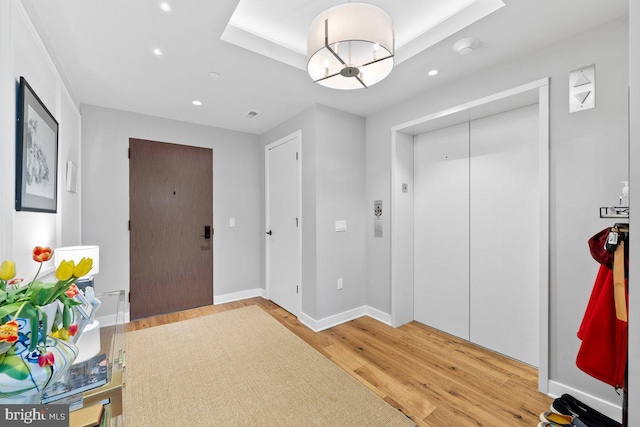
[170, 203]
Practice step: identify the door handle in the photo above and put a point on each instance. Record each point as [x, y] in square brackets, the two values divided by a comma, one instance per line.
[207, 231]
[269, 233]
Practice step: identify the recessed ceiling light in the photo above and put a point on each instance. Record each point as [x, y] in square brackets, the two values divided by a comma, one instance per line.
[214, 75]
[157, 52]
[433, 72]
[165, 6]
[197, 103]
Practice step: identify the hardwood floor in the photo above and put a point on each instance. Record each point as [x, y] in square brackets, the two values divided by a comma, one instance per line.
[434, 378]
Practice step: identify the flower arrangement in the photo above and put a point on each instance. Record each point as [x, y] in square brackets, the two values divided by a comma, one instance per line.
[18, 301]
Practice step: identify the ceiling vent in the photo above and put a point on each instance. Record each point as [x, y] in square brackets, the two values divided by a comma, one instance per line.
[251, 114]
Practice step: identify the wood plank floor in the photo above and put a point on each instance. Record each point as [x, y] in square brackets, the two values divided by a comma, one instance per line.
[435, 379]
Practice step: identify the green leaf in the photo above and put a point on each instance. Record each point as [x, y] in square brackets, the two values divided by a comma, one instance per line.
[66, 317]
[14, 367]
[9, 309]
[45, 323]
[31, 313]
[70, 302]
[39, 292]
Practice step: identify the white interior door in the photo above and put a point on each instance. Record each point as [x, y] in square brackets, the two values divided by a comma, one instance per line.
[504, 212]
[441, 224]
[283, 222]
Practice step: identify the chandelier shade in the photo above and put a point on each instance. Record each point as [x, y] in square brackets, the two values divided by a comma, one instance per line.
[350, 46]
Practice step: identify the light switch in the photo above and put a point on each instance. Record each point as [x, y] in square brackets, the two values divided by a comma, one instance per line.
[341, 225]
[232, 222]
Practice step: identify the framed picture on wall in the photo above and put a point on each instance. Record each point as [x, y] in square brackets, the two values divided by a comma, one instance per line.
[36, 154]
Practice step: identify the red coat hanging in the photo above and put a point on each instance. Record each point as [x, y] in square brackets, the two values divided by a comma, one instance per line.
[603, 352]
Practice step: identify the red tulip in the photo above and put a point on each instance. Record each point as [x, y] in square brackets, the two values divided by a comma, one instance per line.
[41, 254]
[9, 332]
[46, 359]
[73, 329]
[72, 291]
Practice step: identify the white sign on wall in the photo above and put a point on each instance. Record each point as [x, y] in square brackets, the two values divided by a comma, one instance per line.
[582, 89]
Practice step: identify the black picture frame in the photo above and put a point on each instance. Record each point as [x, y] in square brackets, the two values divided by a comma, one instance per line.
[36, 154]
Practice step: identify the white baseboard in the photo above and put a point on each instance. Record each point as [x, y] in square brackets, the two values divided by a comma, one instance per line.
[331, 321]
[611, 410]
[380, 316]
[346, 316]
[308, 321]
[110, 319]
[237, 296]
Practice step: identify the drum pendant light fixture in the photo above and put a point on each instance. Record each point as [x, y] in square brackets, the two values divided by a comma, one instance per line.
[350, 46]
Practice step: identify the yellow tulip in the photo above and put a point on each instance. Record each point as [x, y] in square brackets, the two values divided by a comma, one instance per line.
[8, 270]
[65, 270]
[83, 267]
[62, 334]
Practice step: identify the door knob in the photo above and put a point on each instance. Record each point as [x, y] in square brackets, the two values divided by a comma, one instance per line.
[269, 233]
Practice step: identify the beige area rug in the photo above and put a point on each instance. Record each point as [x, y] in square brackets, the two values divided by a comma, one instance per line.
[241, 368]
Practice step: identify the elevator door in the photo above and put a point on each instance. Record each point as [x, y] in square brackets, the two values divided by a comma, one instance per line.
[441, 226]
[504, 230]
[476, 232]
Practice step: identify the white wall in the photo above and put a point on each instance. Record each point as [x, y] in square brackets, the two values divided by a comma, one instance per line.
[340, 196]
[634, 186]
[332, 189]
[236, 194]
[22, 53]
[403, 223]
[69, 151]
[588, 159]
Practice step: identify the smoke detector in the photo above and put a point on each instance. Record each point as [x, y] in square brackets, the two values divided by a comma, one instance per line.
[465, 46]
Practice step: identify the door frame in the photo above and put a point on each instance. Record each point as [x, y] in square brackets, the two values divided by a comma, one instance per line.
[296, 137]
[520, 96]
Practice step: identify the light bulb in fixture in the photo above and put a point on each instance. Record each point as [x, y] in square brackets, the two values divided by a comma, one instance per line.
[198, 103]
[433, 72]
[165, 6]
[157, 52]
[326, 67]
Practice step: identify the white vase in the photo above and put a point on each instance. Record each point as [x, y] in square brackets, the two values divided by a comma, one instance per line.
[21, 377]
[51, 310]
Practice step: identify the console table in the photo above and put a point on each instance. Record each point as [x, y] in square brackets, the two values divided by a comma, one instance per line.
[111, 343]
